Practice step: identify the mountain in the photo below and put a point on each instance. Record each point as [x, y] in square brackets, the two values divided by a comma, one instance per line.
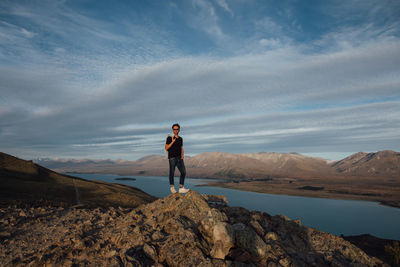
[57, 164]
[177, 230]
[244, 166]
[289, 163]
[26, 182]
[208, 164]
[382, 163]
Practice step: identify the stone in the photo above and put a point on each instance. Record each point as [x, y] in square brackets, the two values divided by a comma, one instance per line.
[178, 230]
[5, 234]
[22, 214]
[150, 252]
[239, 254]
[247, 239]
[284, 262]
[223, 239]
[271, 236]
[283, 217]
[157, 235]
[257, 227]
[298, 222]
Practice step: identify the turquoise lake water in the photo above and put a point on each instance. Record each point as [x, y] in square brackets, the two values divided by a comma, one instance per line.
[347, 217]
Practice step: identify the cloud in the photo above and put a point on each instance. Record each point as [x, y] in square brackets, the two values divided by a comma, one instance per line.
[225, 6]
[277, 101]
[107, 93]
[202, 16]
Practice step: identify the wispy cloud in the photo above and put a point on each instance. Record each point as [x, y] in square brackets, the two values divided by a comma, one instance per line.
[225, 6]
[205, 18]
[73, 84]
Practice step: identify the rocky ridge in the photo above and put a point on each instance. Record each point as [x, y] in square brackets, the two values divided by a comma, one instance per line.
[178, 230]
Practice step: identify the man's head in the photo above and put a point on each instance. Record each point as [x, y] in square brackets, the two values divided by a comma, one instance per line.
[176, 128]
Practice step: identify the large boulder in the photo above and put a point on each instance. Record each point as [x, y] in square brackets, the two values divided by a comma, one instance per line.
[223, 240]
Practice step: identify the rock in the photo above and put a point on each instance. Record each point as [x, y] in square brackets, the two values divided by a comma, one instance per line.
[189, 255]
[239, 254]
[284, 262]
[150, 252]
[257, 227]
[247, 239]
[178, 230]
[22, 214]
[271, 236]
[5, 234]
[283, 217]
[298, 222]
[223, 239]
[113, 261]
[157, 236]
[208, 221]
[214, 200]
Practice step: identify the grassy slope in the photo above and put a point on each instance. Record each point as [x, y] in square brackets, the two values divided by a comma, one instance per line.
[25, 181]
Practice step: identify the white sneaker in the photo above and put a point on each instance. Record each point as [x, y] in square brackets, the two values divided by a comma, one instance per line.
[172, 188]
[183, 190]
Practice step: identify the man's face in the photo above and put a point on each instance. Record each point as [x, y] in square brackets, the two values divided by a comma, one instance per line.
[175, 130]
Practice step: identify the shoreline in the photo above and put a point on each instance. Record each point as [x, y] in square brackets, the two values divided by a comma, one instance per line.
[301, 188]
[305, 193]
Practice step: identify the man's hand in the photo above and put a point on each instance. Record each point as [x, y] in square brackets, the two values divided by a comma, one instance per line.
[167, 146]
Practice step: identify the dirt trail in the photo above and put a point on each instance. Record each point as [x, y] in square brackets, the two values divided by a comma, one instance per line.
[78, 201]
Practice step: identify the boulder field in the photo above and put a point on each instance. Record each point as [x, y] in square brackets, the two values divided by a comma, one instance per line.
[178, 230]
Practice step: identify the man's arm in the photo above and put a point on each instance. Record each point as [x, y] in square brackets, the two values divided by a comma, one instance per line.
[167, 146]
[181, 152]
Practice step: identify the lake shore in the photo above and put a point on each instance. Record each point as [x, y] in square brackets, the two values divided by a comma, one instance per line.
[385, 191]
[384, 194]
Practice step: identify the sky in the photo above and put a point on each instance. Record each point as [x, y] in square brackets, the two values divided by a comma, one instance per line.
[107, 79]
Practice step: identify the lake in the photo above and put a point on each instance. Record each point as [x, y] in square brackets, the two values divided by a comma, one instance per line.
[347, 217]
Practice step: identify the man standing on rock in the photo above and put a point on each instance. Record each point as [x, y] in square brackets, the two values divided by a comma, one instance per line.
[174, 146]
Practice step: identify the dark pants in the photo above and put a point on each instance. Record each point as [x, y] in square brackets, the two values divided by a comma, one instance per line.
[176, 162]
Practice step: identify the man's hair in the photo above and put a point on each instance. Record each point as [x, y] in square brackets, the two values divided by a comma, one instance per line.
[176, 124]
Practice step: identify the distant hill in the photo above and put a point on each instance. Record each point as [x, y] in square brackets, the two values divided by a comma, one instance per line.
[244, 166]
[382, 163]
[208, 164]
[26, 182]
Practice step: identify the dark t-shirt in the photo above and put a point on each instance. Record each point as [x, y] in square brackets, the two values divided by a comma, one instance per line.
[176, 149]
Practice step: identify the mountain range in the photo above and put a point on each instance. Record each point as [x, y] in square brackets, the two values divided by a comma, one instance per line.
[244, 166]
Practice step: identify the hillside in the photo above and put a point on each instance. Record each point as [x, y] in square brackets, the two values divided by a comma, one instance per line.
[26, 182]
[382, 163]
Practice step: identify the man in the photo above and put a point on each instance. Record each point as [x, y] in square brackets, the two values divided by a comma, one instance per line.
[174, 146]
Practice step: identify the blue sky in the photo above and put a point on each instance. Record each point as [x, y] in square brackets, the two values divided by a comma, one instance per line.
[107, 79]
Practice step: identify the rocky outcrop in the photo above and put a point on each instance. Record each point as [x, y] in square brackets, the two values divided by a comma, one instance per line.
[178, 230]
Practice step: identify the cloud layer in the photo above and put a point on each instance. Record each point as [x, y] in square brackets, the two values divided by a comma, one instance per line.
[74, 84]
